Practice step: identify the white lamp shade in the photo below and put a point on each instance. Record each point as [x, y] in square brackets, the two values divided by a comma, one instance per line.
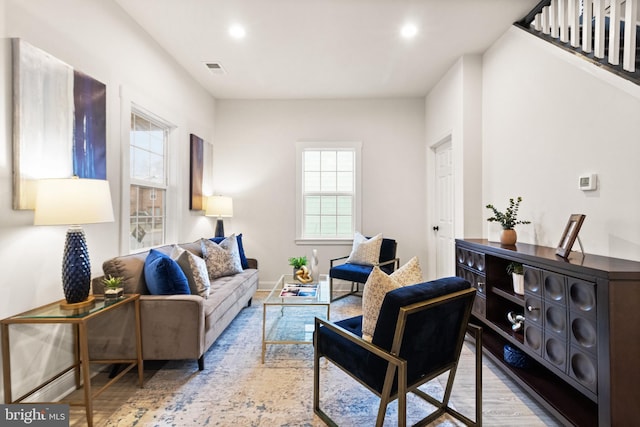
[219, 206]
[71, 201]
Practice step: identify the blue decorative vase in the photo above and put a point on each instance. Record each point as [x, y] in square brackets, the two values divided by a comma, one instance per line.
[76, 268]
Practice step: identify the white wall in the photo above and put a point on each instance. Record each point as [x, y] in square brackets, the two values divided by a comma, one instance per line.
[453, 108]
[98, 38]
[549, 117]
[254, 162]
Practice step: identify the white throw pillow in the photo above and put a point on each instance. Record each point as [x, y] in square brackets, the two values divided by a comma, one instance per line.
[222, 259]
[365, 251]
[195, 269]
[377, 286]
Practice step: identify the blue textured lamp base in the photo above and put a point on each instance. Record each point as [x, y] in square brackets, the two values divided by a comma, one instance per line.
[76, 268]
[219, 228]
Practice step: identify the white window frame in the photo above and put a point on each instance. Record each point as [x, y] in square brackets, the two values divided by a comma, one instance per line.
[142, 183]
[301, 147]
[132, 102]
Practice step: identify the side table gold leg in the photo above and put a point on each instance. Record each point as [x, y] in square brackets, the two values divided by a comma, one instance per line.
[139, 343]
[6, 363]
[86, 374]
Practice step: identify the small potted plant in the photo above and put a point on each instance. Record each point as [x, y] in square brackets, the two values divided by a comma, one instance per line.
[517, 274]
[508, 220]
[297, 263]
[112, 288]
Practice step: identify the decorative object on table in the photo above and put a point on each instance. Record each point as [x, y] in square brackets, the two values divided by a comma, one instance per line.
[570, 235]
[59, 122]
[220, 207]
[315, 268]
[112, 288]
[515, 357]
[200, 172]
[517, 274]
[298, 272]
[508, 220]
[304, 275]
[305, 290]
[517, 321]
[74, 201]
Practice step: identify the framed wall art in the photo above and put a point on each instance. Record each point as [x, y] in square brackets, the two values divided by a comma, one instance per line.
[570, 234]
[200, 172]
[59, 122]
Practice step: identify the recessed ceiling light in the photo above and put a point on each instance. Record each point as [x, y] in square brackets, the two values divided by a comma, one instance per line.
[237, 31]
[409, 31]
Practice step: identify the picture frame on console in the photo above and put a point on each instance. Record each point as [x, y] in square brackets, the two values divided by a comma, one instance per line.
[570, 235]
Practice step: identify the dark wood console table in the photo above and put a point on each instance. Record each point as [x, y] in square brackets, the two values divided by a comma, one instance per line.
[581, 329]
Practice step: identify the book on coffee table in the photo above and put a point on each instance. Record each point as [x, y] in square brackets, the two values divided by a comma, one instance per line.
[306, 290]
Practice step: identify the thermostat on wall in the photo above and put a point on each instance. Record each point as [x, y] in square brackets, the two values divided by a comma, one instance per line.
[589, 182]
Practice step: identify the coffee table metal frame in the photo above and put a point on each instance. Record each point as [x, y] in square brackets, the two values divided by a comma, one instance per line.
[323, 298]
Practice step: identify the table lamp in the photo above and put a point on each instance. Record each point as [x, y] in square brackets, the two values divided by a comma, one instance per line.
[74, 201]
[221, 207]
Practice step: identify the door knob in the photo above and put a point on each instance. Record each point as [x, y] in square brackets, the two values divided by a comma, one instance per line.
[436, 228]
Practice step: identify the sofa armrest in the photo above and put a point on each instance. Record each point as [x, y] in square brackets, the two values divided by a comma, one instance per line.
[253, 263]
[173, 326]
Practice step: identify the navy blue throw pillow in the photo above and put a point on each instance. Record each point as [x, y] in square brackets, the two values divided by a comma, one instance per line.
[164, 276]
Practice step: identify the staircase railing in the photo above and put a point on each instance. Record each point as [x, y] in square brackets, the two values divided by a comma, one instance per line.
[602, 31]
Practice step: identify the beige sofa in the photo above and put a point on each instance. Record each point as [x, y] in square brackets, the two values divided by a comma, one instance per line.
[174, 327]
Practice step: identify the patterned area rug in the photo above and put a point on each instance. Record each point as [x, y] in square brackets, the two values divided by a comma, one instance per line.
[237, 389]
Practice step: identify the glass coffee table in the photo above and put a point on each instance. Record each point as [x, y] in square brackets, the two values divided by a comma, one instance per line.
[289, 311]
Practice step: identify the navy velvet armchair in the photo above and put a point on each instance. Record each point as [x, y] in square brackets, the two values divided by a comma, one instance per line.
[418, 336]
[357, 274]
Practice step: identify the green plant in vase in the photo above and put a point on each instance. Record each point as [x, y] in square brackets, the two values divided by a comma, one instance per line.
[300, 270]
[298, 262]
[516, 270]
[113, 287]
[508, 220]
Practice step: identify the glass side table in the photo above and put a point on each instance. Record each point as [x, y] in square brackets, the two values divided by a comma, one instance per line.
[54, 314]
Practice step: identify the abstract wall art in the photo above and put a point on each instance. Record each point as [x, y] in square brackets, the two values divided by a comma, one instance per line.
[59, 122]
[201, 169]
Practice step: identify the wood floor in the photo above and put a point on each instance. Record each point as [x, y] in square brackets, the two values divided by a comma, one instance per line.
[504, 403]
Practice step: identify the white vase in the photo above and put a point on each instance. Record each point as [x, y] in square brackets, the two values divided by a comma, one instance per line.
[518, 283]
[315, 269]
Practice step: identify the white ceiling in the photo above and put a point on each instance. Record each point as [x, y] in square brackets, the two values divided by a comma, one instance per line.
[323, 48]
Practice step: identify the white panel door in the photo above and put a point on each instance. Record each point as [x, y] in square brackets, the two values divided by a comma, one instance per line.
[443, 229]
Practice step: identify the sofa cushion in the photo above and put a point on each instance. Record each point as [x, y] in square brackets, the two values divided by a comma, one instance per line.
[222, 259]
[377, 286]
[243, 257]
[351, 272]
[163, 275]
[365, 251]
[195, 269]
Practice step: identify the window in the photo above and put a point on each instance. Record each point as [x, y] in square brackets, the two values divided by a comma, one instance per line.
[148, 182]
[328, 200]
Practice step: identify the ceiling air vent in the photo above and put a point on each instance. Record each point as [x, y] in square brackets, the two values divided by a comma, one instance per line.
[215, 67]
